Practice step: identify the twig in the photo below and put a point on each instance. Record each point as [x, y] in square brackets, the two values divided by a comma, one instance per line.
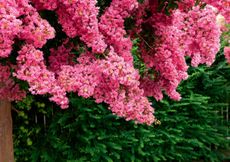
[17, 111]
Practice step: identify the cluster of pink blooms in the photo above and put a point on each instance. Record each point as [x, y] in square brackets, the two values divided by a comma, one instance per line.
[186, 4]
[112, 78]
[201, 34]
[166, 58]
[60, 56]
[9, 26]
[35, 30]
[82, 77]
[112, 27]
[18, 19]
[189, 31]
[227, 53]
[223, 7]
[112, 81]
[41, 81]
[45, 4]
[79, 18]
[9, 90]
[122, 92]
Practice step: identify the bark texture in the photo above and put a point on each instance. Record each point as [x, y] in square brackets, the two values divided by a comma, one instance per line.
[6, 136]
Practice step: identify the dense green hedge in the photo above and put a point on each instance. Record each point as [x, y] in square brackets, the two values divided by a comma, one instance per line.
[187, 130]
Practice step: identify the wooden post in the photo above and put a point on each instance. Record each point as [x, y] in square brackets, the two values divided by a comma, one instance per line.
[6, 135]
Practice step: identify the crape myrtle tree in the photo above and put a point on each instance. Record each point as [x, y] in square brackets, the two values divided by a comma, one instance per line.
[88, 52]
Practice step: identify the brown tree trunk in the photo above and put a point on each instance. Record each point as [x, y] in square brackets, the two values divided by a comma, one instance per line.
[6, 138]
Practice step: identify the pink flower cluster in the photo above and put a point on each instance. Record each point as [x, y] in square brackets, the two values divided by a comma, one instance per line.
[122, 92]
[201, 34]
[112, 27]
[9, 26]
[79, 18]
[188, 31]
[112, 81]
[186, 4]
[227, 53]
[36, 30]
[45, 4]
[60, 56]
[9, 90]
[165, 58]
[81, 78]
[41, 81]
[18, 19]
[222, 5]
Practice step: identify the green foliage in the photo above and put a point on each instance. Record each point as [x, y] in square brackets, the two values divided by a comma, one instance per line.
[26, 128]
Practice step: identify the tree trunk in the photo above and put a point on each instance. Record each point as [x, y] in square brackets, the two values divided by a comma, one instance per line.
[6, 136]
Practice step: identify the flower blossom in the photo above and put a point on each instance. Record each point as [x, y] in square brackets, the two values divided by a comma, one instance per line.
[79, 18]
[227, 54]
[60, 56]
[112, 81]
[201, 38]
[41, 81]
[10, 26]
[112, 27]
[223, 7]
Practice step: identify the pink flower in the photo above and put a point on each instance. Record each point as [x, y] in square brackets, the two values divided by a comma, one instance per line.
[41, 81]
[201, 34]
[112, 27]
[223, 7]
[227, 53]
[79, 18]
[60, 56]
